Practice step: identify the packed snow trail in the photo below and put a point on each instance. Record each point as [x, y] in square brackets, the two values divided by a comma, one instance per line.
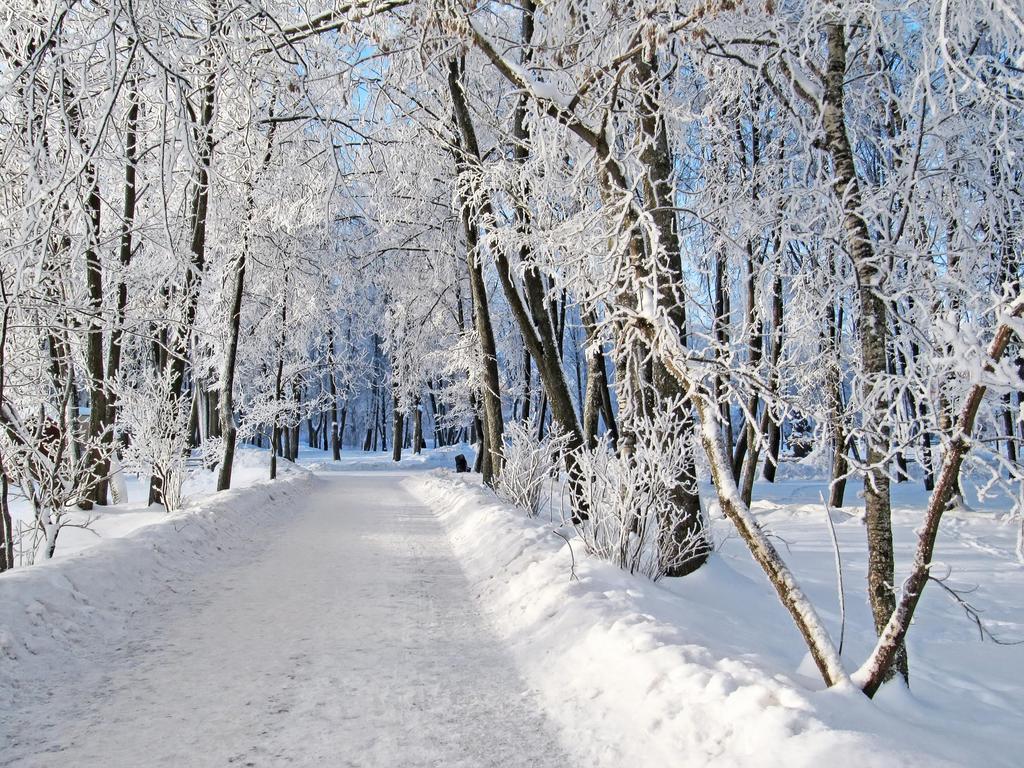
[347, 636]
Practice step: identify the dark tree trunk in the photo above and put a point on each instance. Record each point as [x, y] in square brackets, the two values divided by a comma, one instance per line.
[837, 427]
[607, 412]
[125, 251]
[1009, 430]
[7, 542]
[176, 358]
[478, 436]
[275, 440]
[199, 206]
[684, 544]
[597, 386]
[341, 428]
[541, 336]
[383, 420]
[227, 382]
[527, 383]
[491, 393]
[417, 427]
[720, 328]
[435, 414]
[313, 433]
[335, 435]
[771, 463]
[872, 325]
[398, 427]
[98, 425]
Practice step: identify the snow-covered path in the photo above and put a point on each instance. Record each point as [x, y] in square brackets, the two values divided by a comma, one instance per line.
[347, 636]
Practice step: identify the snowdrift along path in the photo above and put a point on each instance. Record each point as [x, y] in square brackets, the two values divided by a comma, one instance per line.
[347, 636]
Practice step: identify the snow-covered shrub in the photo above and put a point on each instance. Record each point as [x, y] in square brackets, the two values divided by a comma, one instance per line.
[211, 451]
[50, 457]
[529, 464]
[156, 423]
[629, 499]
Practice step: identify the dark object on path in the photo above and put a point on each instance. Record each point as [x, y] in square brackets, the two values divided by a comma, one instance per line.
[460, 463]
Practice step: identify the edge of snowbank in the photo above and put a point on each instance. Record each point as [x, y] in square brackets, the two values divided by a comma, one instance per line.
[619, 648]
[61, 610]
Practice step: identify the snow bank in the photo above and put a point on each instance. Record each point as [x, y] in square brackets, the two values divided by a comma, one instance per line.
[60, 611]
[662, 674]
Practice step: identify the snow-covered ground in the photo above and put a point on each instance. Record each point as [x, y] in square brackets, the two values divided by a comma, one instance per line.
[709, 670]
[318, 620]
[371, 615]
[83, 530]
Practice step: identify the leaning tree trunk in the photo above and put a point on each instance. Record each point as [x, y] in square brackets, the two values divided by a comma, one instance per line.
[227, 377]
[491, 393]
[535, 324]
[890, 649]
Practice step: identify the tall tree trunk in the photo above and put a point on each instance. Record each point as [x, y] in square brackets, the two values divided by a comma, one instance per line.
[6, 524]
[720, 329]
[837, 418]
[99, 434]
[383, 418]
[596, 383]
[771, 463]
[126, 247]
[98, 426]
[199, 204]
[7, 542]
[891, 645]
[335, 436]
[417, 431]
[275, 440]
[530, 311]
[491, 393]
[872, 325]
[227, 377]
[398, 427]
[684, 546]
[744, 461]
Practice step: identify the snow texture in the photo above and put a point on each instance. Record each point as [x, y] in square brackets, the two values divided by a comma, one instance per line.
[383, 617]
[310, 622]
[709, 670]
